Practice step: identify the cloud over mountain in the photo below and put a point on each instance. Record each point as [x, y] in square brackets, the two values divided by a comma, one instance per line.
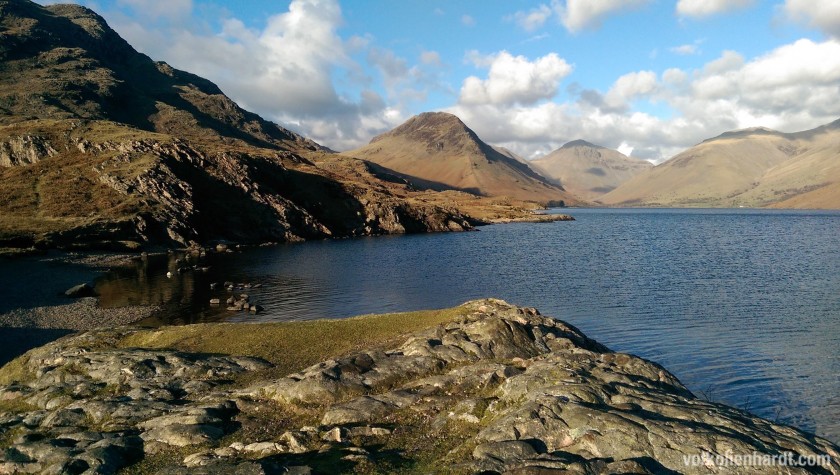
[514, 79]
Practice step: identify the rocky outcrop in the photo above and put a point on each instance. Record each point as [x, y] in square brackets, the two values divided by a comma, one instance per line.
[502, 389]
[24, 150]
[195, 193]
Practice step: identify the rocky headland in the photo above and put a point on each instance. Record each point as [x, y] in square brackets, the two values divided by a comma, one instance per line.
[486, 387]
[103, 148]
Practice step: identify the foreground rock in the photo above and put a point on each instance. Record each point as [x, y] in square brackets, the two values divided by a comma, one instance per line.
[500, 390]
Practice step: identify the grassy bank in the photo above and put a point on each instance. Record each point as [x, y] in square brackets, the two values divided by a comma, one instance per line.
[291, 346]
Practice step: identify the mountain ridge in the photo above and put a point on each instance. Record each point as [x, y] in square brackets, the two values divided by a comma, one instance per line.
[754, 167]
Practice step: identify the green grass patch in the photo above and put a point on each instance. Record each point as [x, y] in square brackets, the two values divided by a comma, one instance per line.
[15, 370]
[16, 406]
[291, 346]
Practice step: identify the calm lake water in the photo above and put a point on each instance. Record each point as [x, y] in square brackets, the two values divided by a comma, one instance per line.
[742, 305]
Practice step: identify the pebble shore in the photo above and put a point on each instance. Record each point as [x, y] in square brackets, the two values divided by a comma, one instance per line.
[81, 314]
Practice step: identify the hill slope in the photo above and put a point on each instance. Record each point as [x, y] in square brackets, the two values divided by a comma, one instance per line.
[589, 171]
[98, 143]
[752, 167]
[439, 150]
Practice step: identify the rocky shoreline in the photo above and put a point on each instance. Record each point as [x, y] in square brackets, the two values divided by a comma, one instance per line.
[534, 218]
[36, 309]
[494, 389]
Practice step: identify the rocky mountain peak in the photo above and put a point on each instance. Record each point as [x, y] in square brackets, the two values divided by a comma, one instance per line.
[437, 130]
[65, 62]
[580, 143]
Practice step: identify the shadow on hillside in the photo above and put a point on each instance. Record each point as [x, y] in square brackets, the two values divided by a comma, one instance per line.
[420, 184]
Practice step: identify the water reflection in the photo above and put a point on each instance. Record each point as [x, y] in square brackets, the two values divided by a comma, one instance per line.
[744, 305]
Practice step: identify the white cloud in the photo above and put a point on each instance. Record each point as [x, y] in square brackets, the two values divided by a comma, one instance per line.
[577, 15]
[728, 61]
[532, 19]
[629, 87]
[704, 8]
[467, 20]
[793, 87]
[822, 14]
[514, 79]
[625, 148]
[674, 76]
[392, 67]
[289, 71]
[404, 83]
[685, 50]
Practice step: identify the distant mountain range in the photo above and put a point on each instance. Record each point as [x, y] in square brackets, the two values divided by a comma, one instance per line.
[755, 167]
[588, 171]
[102, 146]
[436, 150]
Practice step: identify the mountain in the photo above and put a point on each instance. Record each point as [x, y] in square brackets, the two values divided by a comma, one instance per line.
[100, 145]
[753, 167]
[510, 154]
[588, 171]
[437, 150]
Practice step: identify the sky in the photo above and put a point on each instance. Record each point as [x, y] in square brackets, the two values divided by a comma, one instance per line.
[647, 77]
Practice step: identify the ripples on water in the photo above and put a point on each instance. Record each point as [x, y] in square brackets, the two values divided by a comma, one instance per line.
[742, 306]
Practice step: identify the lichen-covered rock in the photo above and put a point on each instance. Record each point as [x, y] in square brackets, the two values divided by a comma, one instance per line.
[539, 395]
[501, 389]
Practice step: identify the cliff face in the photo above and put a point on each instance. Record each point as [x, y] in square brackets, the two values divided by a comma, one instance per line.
[497, 389]
[101, 146]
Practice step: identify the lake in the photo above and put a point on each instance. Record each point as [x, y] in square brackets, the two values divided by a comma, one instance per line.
[742, 305]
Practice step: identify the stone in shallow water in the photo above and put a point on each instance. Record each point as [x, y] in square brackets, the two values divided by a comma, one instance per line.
[81, 290]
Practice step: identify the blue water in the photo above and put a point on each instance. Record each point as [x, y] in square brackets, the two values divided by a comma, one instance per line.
[742, 305]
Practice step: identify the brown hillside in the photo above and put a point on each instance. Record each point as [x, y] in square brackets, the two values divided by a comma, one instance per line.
[439, 150]
[752, 167]
[588, 170]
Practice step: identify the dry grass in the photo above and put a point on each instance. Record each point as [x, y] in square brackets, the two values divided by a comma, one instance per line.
[64, 192]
